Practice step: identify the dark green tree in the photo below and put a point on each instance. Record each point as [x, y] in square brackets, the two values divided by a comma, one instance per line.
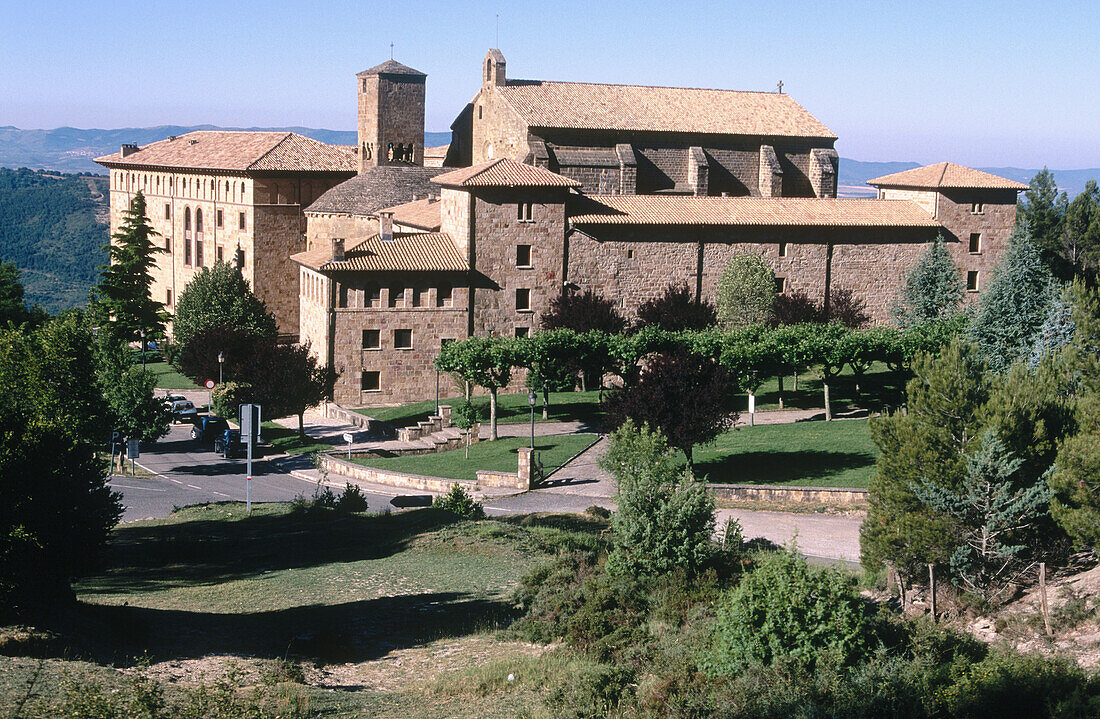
[676, 309]
[1081, 232]
[287, 380]
[134, 410]
[933, 288]
[746, 292]
[123, 299]
[1043, 212]
[12, 309]
[219, 296]
[483, 361]
[1015, 305]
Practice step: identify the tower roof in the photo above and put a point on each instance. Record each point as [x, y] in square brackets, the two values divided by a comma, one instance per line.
[947, 175]
[504, 172]
[391, 67]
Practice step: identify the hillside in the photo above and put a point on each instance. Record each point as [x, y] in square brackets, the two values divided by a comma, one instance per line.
[54, 228]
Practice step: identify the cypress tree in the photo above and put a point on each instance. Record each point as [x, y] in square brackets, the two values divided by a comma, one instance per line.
[933, 288]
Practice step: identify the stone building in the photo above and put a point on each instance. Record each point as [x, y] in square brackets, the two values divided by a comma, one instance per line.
[232, 196]
[630, 139]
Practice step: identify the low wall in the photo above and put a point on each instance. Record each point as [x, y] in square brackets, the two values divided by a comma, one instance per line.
[520, 479]
[806, 495]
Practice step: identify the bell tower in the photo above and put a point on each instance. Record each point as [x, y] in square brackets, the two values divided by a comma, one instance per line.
[391, 115]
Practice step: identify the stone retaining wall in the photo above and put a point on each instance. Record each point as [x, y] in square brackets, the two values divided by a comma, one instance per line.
[807, 495]
[519, 480]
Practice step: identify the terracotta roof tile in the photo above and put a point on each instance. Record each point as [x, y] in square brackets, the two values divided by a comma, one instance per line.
[947, 175]
[241, 151]
[504, 172]
[414, 252]
[748, 211]
[589, 106]
[422, 214]
[378, 188]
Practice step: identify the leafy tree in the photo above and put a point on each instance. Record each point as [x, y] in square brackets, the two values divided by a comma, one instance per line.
[997, 516]
[1081, 230]
[123, 298]
[483, 361]
[1043, 212]
[226, 399]
[688, 398]
[582, 312]
[677, 310]
[219, 295]
[746, 291]
[933, 288]
[198, 359]
[1015, 306]
[665, 520]
[794, 308]
[465, 416]
[286, 380]
[13, 309]
[55, 506]
[552, 361]
[134, 409]
[846, 309]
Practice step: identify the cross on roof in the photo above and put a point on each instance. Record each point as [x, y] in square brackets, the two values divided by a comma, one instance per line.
[780, 86]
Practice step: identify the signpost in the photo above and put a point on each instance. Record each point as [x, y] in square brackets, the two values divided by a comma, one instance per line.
[349, 438]
[133, 451]
[250, 431]
[209, 384]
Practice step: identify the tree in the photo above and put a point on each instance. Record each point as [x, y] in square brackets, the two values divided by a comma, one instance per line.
[484, 361]
[13, 310]
[846, 309]
[687, 398]
[55, 506]
[997, 514]
[552, 361]
[135, 411]
[219, 296]
[1015, 306]
[123, 298]
[582, 312]
[1043, 211]
[198, 358]
[286, 380]
[794, 308]
[1081, 229]
[746, 292]
[677, 310]
[665, 520]
[933, 288]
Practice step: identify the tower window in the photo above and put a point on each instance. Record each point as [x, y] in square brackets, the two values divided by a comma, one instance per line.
[524, 212]
[630, 254]
[167, 244]
[167, 211]
[977, 208]
[240, 216]
[972, 281]
[219, 253]
[479, 112]
[523, 300]
[780, 285]
[523, 255]
[168, 297]
[372, 339]
[371, 381]
[975, 243]
[782, 249]
[403, 339]
[219, 218]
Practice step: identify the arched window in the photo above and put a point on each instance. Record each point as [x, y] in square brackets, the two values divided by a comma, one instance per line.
[242, 192]
[187, 219]
[227, 189]
[198, 220]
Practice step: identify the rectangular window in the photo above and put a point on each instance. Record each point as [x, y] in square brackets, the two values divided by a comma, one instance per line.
[168, 297]
[187, 251]
[198, 250]
[523, 300]
[782, 249]
[975, 243]
[977, 208]
[371, 381]
[219, 253]
[397, 296]
[443, 296]
[523, 255]
[219, 218]
[780, 285]
[167, 244]
[630, 254]
[167, 211]
[240, 221]
[523, 331]
[372, 339]
[403, 339]
[525, 212]
[479, 112]
[972, 281]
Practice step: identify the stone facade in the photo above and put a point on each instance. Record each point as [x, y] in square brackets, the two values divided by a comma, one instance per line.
[390, 116]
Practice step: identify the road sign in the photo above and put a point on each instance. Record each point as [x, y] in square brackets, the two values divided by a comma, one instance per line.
[133, 450]
[209, 384]
[349, 437]
[250, 432]
[115, 435]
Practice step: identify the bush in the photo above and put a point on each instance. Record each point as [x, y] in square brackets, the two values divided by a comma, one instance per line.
[594, 693]
[227, 398]
[784, 609]
[351, 499]
[459, 503]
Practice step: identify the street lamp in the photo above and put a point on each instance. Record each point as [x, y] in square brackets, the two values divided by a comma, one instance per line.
[143, 350]
[531, 399]
[221, 364]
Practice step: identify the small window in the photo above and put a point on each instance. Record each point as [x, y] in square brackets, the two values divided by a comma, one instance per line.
[479, 112]
[167, 211]
[374, 295]
[975, 243]
[397, 296]
[240, 217]
[523, 255]
[168, 297]
[523, 300]
[525, 212]
[372, 339]
[167, 244]
[219, 218]
[630, 254]
[219, 253]
[522, 332]
[372, 381]
[977, 208]
[972, 281]
[342, 296]
[403, 339]
[780, 285]
[187, 251]
[443, 295]
[782, 249]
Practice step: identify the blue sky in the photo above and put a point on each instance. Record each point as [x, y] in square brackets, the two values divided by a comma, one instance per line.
[980, 83]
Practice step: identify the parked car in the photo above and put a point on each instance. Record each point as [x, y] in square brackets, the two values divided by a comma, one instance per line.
[207, 428]
[182, 409]
[229, 444]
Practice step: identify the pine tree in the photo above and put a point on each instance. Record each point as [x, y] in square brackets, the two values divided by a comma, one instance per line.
[1043, 210]
[1016, 304]
[746, 292]
[1081, 231]
[123, 298]
[933, 288]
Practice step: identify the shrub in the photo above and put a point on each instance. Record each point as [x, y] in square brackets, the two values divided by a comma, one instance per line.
[784, 609]
[594, 693]
[459, 503]
[351, 499]
[227, 398]
[677, 310]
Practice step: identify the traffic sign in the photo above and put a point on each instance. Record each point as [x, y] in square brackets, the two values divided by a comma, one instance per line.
[209, 384]
[132, 449]
[349, 437]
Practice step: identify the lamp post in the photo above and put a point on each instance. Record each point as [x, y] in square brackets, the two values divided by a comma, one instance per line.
[531, 399]
[143, 350]
[221, 364]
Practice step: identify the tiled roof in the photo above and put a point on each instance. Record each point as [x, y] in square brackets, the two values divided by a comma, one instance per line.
[413, 252]
[378, 188]
[585, 106]
[241, 151]
[504, 172]
[422, 214]
[391, 67]
[748, 211]
[947, 175]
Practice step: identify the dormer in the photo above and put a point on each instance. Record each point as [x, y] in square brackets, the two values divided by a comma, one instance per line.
[494, 73]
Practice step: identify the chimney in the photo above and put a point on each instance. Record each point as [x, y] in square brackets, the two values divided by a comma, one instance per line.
[337, 249]
[385, 226]
[129, 148]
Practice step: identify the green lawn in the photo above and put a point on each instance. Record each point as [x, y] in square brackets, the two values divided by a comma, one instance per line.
[511, 408]
[498, 456]
[815, 454]
[877, 389]
[169, 378]
[287, 440]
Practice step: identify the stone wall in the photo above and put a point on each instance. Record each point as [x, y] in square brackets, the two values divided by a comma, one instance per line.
[324, 226]
[391, 112]
[313, 316]
[279, 233]
[801, 495]
[496, 130]
[994, 223]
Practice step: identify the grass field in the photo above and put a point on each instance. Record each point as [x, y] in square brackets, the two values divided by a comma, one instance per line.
[169, 378]
[498, 456]
[209, 593]
[511, 409]
[816, 454]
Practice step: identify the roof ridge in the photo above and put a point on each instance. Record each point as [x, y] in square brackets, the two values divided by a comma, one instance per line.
[517, 81]
[270, 150]
[943, 173]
